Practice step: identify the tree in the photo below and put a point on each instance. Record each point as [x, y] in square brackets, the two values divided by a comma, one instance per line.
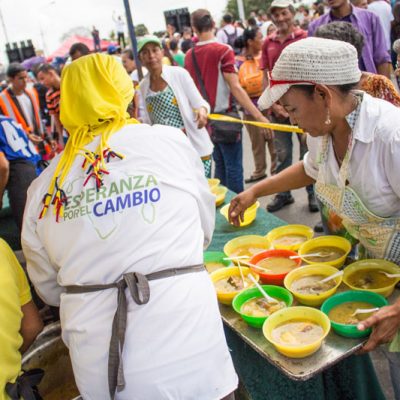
[249, 6]
[141, 30]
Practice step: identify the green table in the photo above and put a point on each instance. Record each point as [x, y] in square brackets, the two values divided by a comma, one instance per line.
[268, 375]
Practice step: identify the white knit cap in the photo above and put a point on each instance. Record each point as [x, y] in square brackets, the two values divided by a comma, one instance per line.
[311, 61]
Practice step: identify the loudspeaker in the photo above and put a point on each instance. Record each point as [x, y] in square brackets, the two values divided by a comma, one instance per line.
[13, 54]
[180, 18]
[28, 51]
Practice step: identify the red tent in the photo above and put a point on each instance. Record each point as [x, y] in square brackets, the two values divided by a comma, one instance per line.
[63, 50]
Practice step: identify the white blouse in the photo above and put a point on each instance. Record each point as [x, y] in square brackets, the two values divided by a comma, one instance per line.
[374, 170]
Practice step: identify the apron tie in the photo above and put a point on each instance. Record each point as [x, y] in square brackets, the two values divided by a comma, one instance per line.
[25, 385]
[139, 289]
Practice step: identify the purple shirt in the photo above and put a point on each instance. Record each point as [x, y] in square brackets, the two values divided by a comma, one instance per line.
[374, 52]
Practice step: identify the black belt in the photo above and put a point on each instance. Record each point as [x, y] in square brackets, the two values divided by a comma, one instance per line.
[140, 291]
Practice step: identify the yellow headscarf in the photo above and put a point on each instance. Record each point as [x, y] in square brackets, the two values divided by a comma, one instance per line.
[95, 94]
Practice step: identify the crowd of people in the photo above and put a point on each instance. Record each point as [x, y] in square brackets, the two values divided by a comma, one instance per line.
[111, 147]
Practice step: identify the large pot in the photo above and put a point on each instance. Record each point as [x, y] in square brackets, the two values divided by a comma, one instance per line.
[49, 353]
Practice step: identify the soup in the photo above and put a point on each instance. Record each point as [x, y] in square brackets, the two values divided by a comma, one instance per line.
[232, 284]
[311, 285]
[260, 307]
[289, 240]
[297, 333]
[213, 266]
[370, 279]
[342, 314]
[328, 253]
[277, 265]
[248, 251]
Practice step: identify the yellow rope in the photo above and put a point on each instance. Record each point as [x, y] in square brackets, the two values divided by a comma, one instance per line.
[275, 127]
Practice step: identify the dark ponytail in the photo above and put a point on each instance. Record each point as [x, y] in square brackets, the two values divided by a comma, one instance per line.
[248, 34]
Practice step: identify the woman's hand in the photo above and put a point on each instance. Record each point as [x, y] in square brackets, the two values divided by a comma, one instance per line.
[269, 133]
[239, 205]
[385, 324]
[201, 117]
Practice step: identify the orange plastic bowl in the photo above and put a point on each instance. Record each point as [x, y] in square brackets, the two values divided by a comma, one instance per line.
[268, 278]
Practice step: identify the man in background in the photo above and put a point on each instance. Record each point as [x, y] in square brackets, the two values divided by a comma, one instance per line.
[283, 16]
[228, 32]
[78, 50]
[48, 76]
[375, 57]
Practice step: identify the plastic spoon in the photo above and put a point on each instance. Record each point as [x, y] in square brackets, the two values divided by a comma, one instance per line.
[364, 311]
[333, 276]
[320, 254]
[262, 291]
[390, 275]
[241, 275]
[236, 258]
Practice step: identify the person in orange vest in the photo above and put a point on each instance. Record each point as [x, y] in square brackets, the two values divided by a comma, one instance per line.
[22, 105]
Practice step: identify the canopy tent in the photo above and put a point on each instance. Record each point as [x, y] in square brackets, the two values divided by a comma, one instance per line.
[63, 50]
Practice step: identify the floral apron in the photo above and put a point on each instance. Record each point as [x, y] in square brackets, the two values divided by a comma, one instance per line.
[380, 237]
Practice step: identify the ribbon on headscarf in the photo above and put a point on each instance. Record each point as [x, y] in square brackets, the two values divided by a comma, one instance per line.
[95, 94]
[273, 126]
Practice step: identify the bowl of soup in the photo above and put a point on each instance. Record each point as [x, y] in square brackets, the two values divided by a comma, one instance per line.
[220, 194]
[341, 307]
[331, 250]
[305, 283]
[228, 282]
[214, 260]
[368, 275]
[246, 246]
[249, 215]
[254, 308]
[290, 237]
[213, 183]
[274, 265]
[297, 332]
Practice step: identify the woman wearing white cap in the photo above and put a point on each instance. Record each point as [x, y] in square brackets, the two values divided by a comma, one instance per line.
[353, 158]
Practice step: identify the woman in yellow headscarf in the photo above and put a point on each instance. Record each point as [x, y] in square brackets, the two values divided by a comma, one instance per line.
[124, 211]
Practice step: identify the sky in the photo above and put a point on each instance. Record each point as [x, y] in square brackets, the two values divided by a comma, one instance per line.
[34, 19]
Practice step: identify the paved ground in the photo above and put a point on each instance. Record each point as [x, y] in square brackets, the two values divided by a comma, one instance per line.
[297, 213]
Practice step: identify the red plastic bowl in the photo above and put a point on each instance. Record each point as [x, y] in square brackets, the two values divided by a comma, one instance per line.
[273, 279]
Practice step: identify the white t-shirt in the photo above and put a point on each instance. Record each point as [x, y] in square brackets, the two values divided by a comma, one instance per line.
[375, 162]
[26, 105]
[119, 25]
[230, 29]
[383, 10]
[155, 211]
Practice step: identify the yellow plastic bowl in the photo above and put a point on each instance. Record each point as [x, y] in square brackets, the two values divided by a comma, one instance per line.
[220, 193]
[227, 297]
[300, 314]
[245, 241]
[289, 230]
[369, 264]
[213, 183]
[249, 215]
[315, 269]
[334, 241]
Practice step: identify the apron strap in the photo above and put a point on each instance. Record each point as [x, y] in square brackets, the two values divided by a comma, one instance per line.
[25, 385]
[139, 289]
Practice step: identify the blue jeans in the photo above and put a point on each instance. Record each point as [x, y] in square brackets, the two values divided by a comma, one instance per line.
[228, 165]
[284, 152]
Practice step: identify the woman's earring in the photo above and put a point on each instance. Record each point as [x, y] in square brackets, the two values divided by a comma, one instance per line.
[328, 118]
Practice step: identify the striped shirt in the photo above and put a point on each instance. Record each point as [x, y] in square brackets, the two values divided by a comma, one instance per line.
[53, 101]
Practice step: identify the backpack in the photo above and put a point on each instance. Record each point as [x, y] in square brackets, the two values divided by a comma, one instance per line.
[231, 40]
[251, 77]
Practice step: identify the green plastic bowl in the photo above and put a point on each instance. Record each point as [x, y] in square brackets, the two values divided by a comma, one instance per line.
[216, 257]
[351, 331]
[277, 292]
